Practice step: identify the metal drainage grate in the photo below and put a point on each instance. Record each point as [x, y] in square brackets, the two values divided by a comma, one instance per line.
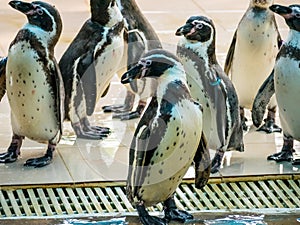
[72, 200]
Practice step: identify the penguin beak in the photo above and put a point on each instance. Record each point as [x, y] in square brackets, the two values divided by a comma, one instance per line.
[24, 7]
[132, 74]
[3, 65]
[285, 12]
[184, 30]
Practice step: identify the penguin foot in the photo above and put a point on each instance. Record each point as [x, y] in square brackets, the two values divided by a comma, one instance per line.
[116, 108]
[296, 162]
[217, 162]
[269, 127]
[102, 130]
[38, 162]
[177, 215]
[8, 157]
[243, 124]
[146, 219]
[127, 115]
[282, 156]
[91, 135]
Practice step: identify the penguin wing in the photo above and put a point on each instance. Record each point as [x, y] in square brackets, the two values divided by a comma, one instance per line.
[230, 53]
[86, 70]
[60, 97]
[202, 164]
[3, 62]
[262, 99]
[145, 142]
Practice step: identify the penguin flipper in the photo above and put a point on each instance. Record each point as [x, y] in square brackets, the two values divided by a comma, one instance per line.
[202, 164]
[3, 62]
[230, 54]
[262, 99]
[87, 73]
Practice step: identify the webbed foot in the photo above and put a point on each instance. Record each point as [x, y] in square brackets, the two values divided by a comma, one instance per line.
[296, 162]
[116, 108]
[8, 157]
[146, 219]
[282, 156]
[269, 127]
[126, 115]
[41, 161]
[217, 161]
[85, 131]
[13, 150]
[172, 213]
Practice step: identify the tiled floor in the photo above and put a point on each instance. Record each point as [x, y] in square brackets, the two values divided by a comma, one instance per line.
[83, 161]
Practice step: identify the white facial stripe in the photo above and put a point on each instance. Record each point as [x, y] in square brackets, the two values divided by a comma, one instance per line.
[168, 58]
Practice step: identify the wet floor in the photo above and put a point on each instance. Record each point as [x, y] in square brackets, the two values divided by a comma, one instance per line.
[89, 161]
[199, 219]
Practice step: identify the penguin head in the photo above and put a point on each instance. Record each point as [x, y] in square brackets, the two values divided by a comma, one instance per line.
[42, 15]
[291, 14]
[153, 64]
[263, 4]
[105, 12]
[197, 28]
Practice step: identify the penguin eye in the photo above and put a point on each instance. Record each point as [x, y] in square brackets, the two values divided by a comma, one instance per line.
[40, 11]
[297, 15]
[148, 62]
[199, 26]
[145, 63]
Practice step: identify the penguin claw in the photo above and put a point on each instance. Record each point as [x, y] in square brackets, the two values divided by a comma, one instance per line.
[127, 115]
[92, 135]
[8, 157]
[102, 130]
[38, 162]
[115, 108]
[270, 127]
[282, 156]
[177, 215]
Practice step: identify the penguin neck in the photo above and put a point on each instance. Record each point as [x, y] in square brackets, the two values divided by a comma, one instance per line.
[293, 38]
[44, 37]
[106, 17]
[205, 50]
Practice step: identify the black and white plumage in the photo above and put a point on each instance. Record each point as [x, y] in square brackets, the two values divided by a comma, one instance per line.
[284, 82]
[141, 38]
[251, 57]
[33, 82]
[167, 139]
[3, 61]
[89, 63]
[210, 86]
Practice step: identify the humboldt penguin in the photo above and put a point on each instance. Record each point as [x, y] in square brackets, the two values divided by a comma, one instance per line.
[3, 61]
[210, 86]
[251, 57]
[141, 38]
[33, 82]
[284, 82]
[167, 139]
[89, 63]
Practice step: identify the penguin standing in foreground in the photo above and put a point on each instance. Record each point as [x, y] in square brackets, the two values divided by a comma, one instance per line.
[251, 57]
[284, 82]
[33, 82]
[141, 38]
[210, 86]
[167, 139]
[89, 63]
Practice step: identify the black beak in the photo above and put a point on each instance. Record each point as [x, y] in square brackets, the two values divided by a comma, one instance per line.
[185, 29]
[3, 65]
[131, 74]
[282, 10]
[23, 7]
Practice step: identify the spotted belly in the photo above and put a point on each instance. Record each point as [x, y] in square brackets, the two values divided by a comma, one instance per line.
[287, 93]
[108, 64]
[254, 58]
[174, 154]
[33, 107]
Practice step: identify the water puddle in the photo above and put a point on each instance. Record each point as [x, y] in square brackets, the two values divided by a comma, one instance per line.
[119, 221]
[237, 220]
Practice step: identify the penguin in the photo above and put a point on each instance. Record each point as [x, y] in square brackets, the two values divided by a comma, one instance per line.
[89, 63]
[33, 82]
[210, 86]
[251, 57]
[167, 139]
[284, 83]
[3, 61]
[141, 38]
